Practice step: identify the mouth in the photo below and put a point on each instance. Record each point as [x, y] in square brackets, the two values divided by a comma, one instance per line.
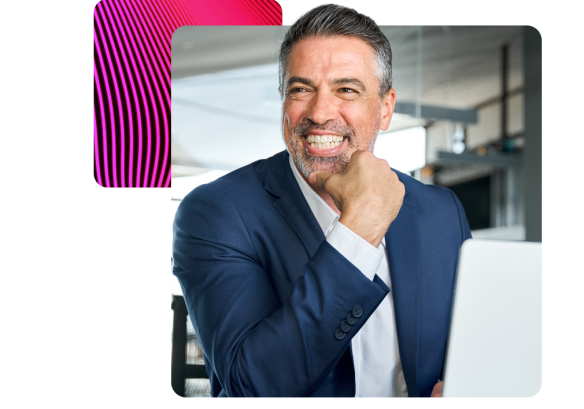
[324, 145]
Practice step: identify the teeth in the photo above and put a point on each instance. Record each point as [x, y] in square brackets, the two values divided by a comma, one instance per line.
[324, 138]
[324, 141]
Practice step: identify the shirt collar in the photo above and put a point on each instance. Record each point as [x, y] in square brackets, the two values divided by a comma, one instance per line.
[325, 216]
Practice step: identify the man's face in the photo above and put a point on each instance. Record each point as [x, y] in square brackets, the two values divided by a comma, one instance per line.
[331, 93]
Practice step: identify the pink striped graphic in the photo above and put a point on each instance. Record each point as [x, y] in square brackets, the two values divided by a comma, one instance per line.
[132, 80]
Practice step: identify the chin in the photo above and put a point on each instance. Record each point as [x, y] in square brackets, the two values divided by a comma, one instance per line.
[332, 164]
[307, 163]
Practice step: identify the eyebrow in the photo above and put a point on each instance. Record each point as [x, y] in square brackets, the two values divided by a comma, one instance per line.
[354, 81]
[337, 81]
[302, 80]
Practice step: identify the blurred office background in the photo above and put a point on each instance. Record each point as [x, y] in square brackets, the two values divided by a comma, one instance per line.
[468, 117]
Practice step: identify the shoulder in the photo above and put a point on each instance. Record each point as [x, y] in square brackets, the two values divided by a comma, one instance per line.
[222, 212]
[244, 185]
[238, 190]
[438, 208]
[421, 195]
[207, 215]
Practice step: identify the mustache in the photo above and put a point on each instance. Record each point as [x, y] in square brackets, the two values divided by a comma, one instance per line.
[334, 126]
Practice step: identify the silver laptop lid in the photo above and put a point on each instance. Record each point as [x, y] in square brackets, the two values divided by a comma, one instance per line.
[494, 344]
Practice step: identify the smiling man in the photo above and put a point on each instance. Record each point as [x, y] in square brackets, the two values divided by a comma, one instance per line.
[321, 271]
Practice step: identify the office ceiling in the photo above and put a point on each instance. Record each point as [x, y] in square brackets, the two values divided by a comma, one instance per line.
[460, 64]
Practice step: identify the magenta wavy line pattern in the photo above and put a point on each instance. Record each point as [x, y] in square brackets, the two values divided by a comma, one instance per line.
[132, 66]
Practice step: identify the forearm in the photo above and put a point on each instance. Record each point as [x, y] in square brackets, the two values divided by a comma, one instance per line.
[258, 339]
[259, 347]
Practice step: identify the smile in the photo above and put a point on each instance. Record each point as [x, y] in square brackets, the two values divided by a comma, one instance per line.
[324, 141]
[323, 145]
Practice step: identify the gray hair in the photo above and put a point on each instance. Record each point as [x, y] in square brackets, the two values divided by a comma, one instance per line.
[331, 20]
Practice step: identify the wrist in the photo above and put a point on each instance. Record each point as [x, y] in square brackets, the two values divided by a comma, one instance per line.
[367, 231]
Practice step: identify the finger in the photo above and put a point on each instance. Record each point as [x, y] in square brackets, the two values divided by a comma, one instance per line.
[319, 178]
[437, 391]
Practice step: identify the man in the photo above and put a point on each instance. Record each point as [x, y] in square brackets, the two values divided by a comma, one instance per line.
[320, 271]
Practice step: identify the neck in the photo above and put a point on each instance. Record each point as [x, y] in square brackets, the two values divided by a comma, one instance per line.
[321, 192]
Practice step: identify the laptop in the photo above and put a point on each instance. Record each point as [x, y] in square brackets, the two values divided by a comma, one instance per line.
[494, 343]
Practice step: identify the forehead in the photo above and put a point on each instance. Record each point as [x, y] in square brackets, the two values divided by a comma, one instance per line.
[333, 57]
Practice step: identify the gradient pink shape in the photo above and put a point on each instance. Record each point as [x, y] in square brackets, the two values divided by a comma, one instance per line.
[140, 46]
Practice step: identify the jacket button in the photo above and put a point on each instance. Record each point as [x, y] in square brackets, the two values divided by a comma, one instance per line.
[339, 334]
[345, 327]
[357, 311]
[350, 319]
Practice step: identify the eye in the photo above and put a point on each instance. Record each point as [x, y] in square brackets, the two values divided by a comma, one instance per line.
[347, 90]
[296, 90]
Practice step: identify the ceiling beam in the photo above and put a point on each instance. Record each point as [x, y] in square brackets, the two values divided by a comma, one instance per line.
[436, 113]
[496, 159]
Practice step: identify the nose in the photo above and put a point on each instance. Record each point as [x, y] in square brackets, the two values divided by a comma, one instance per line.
[322, 108]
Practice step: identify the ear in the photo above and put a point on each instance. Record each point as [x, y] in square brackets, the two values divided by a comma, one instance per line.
[387, 107]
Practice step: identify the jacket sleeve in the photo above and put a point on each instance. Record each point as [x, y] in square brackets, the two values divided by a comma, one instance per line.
[256, 345]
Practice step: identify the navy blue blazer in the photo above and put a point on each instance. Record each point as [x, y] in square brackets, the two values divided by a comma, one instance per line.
[266, 292]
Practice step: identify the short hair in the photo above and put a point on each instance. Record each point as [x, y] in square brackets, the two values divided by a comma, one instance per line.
[331, 20]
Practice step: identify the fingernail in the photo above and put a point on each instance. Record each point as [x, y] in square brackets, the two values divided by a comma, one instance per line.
[312, 179]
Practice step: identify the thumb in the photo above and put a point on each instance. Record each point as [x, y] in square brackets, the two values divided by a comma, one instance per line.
[319, 178]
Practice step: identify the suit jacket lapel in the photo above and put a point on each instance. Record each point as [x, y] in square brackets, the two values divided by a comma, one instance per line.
[403, 251]
[405, 267]
[292, 205]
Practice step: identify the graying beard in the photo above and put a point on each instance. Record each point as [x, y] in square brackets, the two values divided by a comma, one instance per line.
[307, 164]
[340, 165]
[340, 162]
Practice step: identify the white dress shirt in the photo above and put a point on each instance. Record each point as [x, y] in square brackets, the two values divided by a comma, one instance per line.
[378, 370]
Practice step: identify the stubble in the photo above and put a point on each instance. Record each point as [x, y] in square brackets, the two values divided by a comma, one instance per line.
[308, 164]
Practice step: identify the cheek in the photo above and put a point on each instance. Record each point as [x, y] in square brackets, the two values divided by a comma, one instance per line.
[294, 109]
[356, 115]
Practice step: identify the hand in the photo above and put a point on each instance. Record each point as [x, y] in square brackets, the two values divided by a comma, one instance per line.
[368, 194]
[437, 391]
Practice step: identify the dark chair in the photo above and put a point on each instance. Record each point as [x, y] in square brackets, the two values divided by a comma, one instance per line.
[179, 370]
